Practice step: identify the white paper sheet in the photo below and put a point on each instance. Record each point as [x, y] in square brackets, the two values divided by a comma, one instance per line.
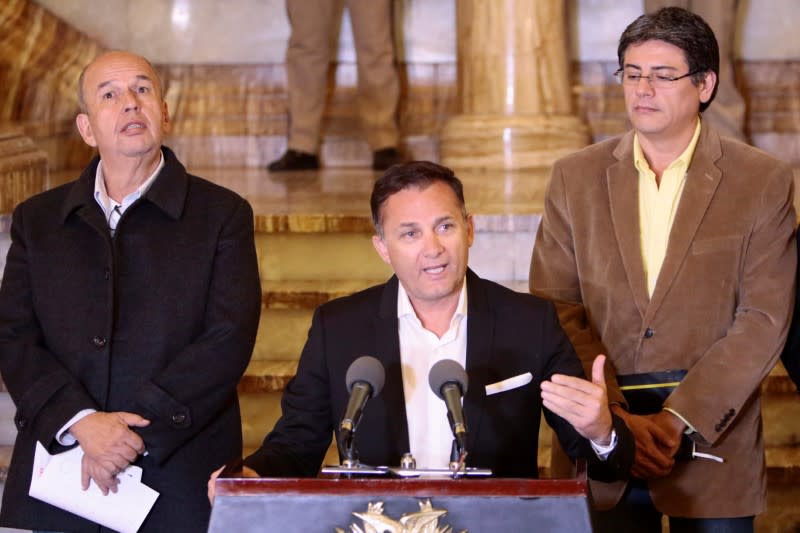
[57, 481]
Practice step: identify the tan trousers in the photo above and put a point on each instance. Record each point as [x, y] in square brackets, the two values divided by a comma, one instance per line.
[308, 56]
[727, 110]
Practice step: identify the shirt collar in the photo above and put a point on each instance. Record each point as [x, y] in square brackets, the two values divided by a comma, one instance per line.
[105, 201]
[404, 307]
[682, 160]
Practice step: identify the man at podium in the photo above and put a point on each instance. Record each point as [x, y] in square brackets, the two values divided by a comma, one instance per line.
[516, 356]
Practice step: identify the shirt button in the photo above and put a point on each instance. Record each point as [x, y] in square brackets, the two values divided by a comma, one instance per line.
[107, 273]
[649, 333]
[99, 341]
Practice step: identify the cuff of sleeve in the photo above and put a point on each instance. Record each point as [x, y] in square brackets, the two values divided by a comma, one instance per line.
[64, 437]
[603, 451]
[689, 428]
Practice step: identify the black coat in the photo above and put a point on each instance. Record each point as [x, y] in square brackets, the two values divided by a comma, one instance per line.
[791, 352]
[159, 321]
[508, 334]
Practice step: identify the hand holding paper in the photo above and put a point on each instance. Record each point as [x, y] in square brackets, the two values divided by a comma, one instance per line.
[57, 480]
[109, 446]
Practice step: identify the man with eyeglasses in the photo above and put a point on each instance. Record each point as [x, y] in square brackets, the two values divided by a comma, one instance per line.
[671, 250]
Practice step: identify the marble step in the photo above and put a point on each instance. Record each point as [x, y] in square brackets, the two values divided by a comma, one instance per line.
[5, 460]
[315, 247]
[317, 225]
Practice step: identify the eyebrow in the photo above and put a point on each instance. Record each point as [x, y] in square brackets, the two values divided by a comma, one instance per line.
[436, 222]
[408, 225]
[141, 77]
[657, 67]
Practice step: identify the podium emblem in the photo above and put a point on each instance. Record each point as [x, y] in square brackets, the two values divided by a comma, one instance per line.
[426, 520]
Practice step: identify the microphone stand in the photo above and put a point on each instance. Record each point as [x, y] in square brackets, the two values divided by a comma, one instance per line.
[347, 450]
[458, 457]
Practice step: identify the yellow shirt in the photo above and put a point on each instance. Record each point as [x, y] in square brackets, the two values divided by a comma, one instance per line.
[658, 205]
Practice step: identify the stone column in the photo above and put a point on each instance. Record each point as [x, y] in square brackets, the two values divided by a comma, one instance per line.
[23, 170]
[514, 90]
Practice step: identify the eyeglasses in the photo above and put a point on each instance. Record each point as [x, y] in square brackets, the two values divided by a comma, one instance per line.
[659, 81]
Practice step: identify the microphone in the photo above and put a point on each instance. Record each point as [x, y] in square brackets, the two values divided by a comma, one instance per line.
[449, 381]
[364, 379]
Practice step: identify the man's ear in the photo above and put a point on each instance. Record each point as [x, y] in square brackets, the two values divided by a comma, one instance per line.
[707, 89]
[85, 129]
[166, 124]
[380, 247]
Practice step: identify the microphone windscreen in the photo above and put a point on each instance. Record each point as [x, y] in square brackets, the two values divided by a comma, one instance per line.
[447, 371]
[366, 369]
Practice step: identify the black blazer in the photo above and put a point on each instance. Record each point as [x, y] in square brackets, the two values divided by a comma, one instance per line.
[791, 352]
[508, 334]
[159, 321]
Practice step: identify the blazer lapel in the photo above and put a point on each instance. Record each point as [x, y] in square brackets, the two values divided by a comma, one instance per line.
[623, 196]
[80, 201]
[480, 335]
[702, 180]
[388, 350]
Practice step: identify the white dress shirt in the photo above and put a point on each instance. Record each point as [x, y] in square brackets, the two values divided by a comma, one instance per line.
[429, 434]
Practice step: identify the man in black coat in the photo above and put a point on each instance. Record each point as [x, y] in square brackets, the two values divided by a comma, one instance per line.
[516, 355]
[128, 313]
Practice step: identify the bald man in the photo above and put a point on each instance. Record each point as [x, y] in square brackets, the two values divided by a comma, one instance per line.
[128, 313]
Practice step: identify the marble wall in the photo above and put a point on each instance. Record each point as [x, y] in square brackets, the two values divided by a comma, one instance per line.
[256, 31]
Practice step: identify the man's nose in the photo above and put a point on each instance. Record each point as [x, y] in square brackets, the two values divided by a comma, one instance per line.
[131, 100]
[644, 86]
[433, 245]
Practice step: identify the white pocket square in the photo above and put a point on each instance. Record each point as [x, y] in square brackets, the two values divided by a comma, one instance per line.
[509, 384]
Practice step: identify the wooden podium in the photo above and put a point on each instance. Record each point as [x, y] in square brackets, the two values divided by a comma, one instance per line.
[491, 505]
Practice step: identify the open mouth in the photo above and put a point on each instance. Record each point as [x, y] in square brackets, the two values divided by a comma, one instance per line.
[438, 269]
[133, 126]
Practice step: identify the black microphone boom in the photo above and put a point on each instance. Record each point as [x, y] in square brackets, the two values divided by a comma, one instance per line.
[449, 382]
[364, 380]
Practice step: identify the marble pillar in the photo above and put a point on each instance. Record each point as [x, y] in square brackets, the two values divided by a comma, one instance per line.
[514, 91]
[23, 169]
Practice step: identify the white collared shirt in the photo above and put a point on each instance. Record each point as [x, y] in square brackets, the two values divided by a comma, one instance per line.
[429, 434]
[107, 204]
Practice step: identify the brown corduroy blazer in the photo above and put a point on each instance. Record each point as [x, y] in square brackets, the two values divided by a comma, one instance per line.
[720, 309]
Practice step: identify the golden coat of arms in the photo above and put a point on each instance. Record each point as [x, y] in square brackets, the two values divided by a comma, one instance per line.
[426, 520]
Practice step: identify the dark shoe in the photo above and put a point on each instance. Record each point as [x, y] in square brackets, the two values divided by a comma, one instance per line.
[294, 160]
[385, 157]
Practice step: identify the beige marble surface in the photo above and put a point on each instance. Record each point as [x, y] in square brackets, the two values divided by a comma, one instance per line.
[345, 192]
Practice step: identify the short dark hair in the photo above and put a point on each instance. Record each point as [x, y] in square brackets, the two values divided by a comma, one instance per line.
[419, 174]
[680, 28]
